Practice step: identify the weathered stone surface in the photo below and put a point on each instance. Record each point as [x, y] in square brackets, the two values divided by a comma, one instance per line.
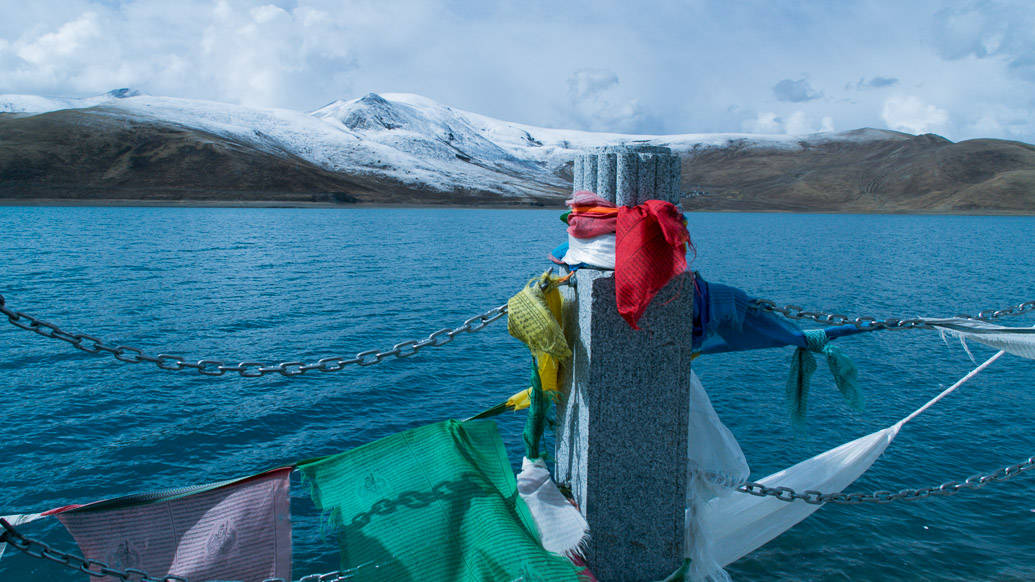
[589, 172]
[606, 172]
[628, 175]
[645, 187]
[625, 179]
[621, 441]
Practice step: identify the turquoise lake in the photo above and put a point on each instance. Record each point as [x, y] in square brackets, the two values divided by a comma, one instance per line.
[277, 285]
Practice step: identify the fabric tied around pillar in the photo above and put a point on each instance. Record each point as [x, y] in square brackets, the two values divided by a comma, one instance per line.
[650, 250]
[538, 410]
[529, 318]
[803, 365]
[726, 320]
[537, 323]
[596, 252]
[562, 529]
[591, 216]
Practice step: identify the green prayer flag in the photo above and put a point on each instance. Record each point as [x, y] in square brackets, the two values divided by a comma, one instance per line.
[435, 503]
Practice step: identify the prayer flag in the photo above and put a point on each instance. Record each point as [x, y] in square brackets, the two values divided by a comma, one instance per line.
[650, 250]
[239, 530]
[18, 520]
[434, 503]
[562, 529]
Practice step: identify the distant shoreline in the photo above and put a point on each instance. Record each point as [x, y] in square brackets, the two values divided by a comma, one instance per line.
[143, 203]
[546, 205]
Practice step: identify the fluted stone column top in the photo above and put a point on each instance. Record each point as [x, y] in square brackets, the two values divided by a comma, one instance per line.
[628, 174]
[630, 149]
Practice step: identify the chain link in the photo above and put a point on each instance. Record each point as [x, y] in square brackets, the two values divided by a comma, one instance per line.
[883, 496]
[131, 355]
[872, 323]
[94, 568]
[99, 569]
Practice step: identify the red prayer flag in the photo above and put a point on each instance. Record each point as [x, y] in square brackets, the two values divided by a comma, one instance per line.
[650, 250]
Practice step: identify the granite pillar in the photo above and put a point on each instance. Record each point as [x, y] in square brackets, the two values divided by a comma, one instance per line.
[622, 434]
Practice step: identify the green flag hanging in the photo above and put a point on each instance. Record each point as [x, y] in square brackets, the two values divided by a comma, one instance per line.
[435, 503]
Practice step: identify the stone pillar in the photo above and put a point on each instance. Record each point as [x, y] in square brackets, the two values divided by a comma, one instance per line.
[578, 175]
[622, 437]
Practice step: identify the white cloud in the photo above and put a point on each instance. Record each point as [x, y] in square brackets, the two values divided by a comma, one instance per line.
[1008, 122]
[797, 123]
[597, 104]
[240, 51]
[764, 122]
[668, 67]
[912, 115]
[1003, 29]
[66, 41]
[267, 13]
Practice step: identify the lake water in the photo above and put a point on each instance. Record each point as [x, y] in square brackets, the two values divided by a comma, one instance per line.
[283, 284]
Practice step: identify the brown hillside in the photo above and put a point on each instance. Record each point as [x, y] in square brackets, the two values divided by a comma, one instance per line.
[96, 154]
[897, 173]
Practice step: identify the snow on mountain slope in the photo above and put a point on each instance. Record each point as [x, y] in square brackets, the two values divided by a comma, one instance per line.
[35, 104]
[405, 137]
[557, 147]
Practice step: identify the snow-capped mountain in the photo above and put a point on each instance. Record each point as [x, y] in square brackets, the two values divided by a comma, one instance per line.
[407, 138]
[36, 104]
[404, 148]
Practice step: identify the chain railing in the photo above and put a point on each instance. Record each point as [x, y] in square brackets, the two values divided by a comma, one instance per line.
[872, 323]
[131, 355]
[882, 496]
[405, 349]
[99, 569]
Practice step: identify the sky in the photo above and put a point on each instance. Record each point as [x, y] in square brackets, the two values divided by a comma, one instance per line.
[961, 69]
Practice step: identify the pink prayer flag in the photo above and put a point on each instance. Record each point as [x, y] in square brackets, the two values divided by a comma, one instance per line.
[236, 531]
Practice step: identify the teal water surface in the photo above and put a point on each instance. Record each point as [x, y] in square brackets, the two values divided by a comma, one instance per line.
[281, 284]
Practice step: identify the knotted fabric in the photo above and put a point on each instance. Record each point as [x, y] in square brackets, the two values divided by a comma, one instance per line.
[530, 319]
[562, 529]
[650, 250]
[538, 409]
[591, 216]
[591, 222]
[803, 364]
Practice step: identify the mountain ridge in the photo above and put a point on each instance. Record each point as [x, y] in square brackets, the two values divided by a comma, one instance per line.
[399, 148]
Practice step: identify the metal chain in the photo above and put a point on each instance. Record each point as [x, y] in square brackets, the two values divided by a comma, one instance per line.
[882, 496]
[96, 568]
[131, 355]
[872, 323]
[99, 569]
[336, 576]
